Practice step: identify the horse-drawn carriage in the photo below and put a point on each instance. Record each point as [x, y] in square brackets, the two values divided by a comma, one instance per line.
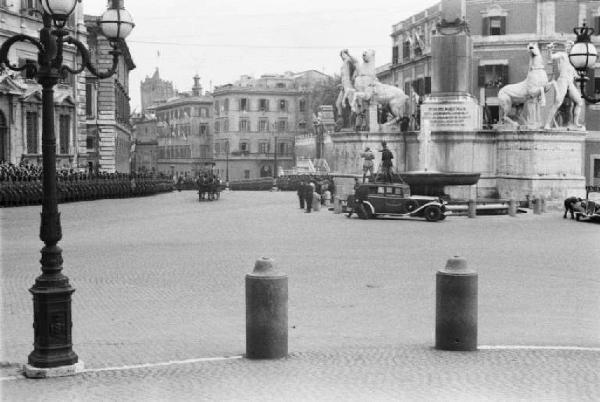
[209, 188]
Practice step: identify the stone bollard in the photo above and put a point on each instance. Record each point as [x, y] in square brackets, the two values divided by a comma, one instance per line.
[512, 207]
[337, 205]
[537, 206]
[542, 205]
[472, 208]
[456, 307]
[266, 311]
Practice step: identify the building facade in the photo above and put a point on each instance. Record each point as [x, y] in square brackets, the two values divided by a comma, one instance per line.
[184, 133]
[501, 31]
[155, 90]
[255, 124]
[20, 94]
[145, 144]
[106, 145]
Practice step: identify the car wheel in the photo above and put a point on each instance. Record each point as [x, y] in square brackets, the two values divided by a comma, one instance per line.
[432, 213]
[362, 212]
[411, 205]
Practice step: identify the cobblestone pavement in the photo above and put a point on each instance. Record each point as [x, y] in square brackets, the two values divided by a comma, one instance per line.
[161, 279]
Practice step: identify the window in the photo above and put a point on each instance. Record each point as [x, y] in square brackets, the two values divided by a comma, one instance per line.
[66, 78]
[406, 50]
[32, 132]
[203, 112]
[246, 174]
[217, 148]
[282, 148]
[302, 105]
[263, 125]
[217, 126]
[203, 129]
[90, 98]
[217, 111]
[493, 76]
[407, 86]
[225, 125]
[596, 168]
[281, 125]
[280, 85]
[226, 105]
[28, 5]
[90, 142]
[244, 104]
[494, 26]
[27, 73]
[3, 4]
[282, 105]
[244, 125]
[244, 147]
[263, 105]
[263, 147]
[64, 123]
[395, 55]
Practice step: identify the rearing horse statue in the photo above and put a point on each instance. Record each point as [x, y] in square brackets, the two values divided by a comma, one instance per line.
[533, 88]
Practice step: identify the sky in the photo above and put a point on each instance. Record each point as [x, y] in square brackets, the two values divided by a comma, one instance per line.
[222, 40]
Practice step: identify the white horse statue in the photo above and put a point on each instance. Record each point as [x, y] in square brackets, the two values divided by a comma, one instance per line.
[368, 88]
[532, 89]
[564, 86]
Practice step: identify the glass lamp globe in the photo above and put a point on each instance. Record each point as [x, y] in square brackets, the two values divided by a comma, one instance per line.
[583, 56]
[60, 10]
[116, 23]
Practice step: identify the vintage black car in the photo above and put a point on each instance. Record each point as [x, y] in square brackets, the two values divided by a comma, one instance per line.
[372, 199]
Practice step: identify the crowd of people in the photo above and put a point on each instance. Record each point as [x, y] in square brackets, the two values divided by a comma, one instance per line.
[314, 193]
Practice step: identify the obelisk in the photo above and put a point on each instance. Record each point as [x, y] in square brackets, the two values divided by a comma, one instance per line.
[451, 106]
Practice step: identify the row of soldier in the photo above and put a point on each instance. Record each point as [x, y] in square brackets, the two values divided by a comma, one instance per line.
[30, 192]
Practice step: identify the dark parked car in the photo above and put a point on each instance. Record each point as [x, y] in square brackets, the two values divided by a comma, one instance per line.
[372, 199]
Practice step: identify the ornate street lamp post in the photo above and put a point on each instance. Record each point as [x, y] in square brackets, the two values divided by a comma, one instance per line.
[583, 56]
[52, 291]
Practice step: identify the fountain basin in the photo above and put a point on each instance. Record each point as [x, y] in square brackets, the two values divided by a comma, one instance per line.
[433, 183]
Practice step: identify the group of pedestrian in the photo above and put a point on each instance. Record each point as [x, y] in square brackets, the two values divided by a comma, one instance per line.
[313, 194]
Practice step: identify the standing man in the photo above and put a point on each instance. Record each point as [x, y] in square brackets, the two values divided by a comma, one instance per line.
[386, 162]
[367, 163]
[300, 193]
[308, 196]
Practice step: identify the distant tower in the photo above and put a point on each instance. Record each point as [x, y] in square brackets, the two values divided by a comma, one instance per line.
[155, 90]
[197, 88]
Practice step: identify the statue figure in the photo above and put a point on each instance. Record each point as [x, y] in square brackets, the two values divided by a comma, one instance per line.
[369, 89]
[529, 92]
[564, 86]
[347, 73]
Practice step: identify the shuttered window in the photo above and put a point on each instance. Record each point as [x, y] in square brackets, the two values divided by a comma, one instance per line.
[32, 132]
[64, 132]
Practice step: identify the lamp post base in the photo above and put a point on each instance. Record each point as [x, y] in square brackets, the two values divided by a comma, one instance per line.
[61, 371]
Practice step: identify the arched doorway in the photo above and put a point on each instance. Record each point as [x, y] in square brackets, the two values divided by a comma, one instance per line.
[3, 137]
